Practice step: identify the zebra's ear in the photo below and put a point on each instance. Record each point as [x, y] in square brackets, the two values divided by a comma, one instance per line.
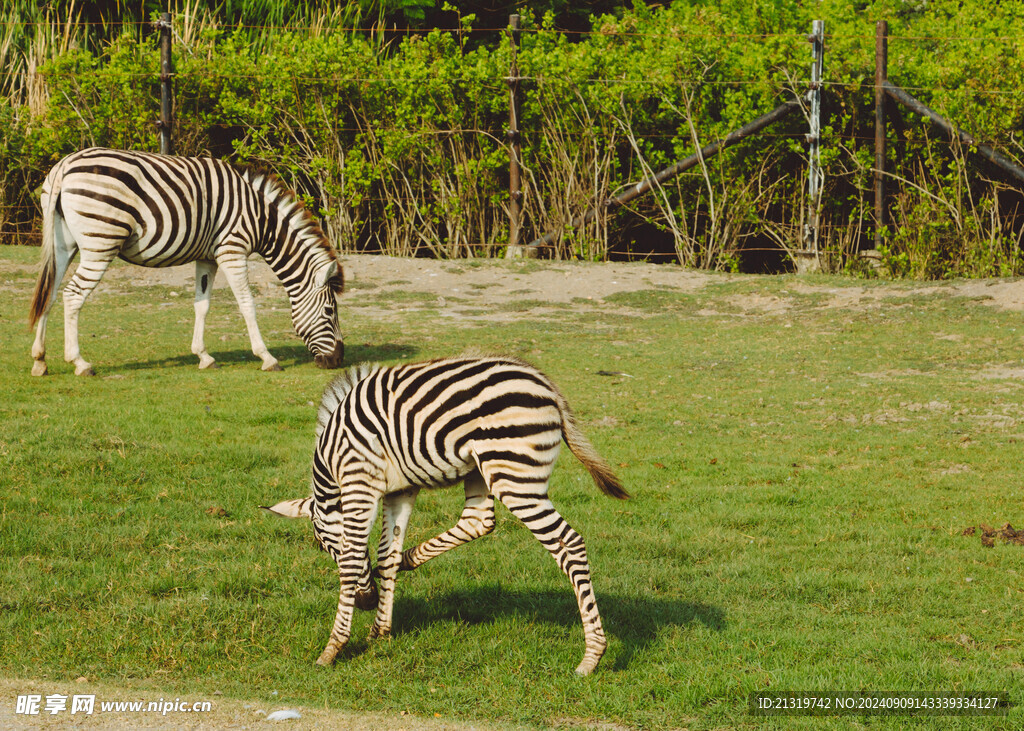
[297, 508]
[326, 274]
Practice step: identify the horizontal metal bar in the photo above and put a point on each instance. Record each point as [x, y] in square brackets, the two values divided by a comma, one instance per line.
[953, 131]
[678, 168]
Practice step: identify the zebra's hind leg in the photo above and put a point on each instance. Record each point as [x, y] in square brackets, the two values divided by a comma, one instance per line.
[64, 251]
[476, 521]
[397, 509]
[206, 271]
[90, 270]
[568, 549]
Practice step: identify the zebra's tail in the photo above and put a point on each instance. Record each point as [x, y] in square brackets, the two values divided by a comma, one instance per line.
[48, 266]
[584, 451]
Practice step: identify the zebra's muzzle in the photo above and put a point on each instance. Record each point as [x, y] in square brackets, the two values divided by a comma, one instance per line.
[331, 360]
[367, 600]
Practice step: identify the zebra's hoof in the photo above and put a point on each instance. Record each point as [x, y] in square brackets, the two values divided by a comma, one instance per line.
[86, 370]
[211, 366]
[272, 367]
[329, 654]
[39, 368]
[584, 669]
[589, 663]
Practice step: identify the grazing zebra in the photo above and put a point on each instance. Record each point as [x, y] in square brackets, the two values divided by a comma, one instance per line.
[384, 433]
[159, 211]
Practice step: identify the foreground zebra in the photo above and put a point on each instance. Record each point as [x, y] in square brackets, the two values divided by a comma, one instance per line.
[385, 433]
[159, 211]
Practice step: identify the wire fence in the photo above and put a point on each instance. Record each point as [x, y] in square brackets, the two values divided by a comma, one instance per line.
[975, 38]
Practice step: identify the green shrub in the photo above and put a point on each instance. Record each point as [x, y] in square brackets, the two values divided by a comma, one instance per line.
[401, 147]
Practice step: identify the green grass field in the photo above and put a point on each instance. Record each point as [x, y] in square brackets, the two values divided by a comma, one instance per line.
[802, 476]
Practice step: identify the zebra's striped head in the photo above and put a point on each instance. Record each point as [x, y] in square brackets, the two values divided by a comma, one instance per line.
[315, 317]
[295, 247]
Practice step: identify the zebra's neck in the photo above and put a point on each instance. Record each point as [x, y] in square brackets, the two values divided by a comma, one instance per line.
[292, 244]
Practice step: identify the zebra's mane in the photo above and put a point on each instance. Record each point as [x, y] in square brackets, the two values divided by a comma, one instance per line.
[338, 389]
[310, 234]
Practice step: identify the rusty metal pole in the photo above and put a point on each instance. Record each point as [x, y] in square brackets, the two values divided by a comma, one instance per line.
[954, 132]
[881, 79]
[166, 92]
[515, 187]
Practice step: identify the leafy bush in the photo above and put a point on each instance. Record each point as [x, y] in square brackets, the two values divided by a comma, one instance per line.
[400, 146]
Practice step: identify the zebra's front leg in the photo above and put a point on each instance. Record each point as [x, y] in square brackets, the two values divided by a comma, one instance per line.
[476, 521]
[397, 509]
[236, 270]
[206, 271]
[356, 525]
[342, 629]
[366, 597]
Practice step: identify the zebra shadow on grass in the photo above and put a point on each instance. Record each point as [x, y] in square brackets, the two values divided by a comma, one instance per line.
[288, 356]
[635, 622]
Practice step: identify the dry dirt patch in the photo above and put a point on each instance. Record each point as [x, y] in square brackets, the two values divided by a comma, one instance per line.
[492, 281]
[224, 713]
[497, 282]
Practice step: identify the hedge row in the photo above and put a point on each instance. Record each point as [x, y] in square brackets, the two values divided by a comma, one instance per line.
[401, 147]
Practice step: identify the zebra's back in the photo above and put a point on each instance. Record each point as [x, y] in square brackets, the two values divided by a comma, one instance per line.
[153, 210]
[430, 424]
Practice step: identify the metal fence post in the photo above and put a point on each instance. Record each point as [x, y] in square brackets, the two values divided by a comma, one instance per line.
[881, 78]
[815, 175]
[166, 92]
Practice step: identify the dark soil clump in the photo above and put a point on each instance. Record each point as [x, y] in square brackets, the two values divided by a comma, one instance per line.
[989, 534]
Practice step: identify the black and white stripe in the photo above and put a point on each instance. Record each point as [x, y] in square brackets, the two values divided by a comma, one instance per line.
[157, 211]
[496, 424]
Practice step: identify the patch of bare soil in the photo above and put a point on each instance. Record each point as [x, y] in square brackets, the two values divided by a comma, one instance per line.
[548, 281]
[1005, 294]
[500, 282]
[462, 283]
[223, 713]
[485, 290]
[1000, 373]
[989, 534]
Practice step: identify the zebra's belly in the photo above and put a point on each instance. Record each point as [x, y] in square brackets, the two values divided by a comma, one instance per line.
[144, 261]
[151, 254]
[433, 476]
